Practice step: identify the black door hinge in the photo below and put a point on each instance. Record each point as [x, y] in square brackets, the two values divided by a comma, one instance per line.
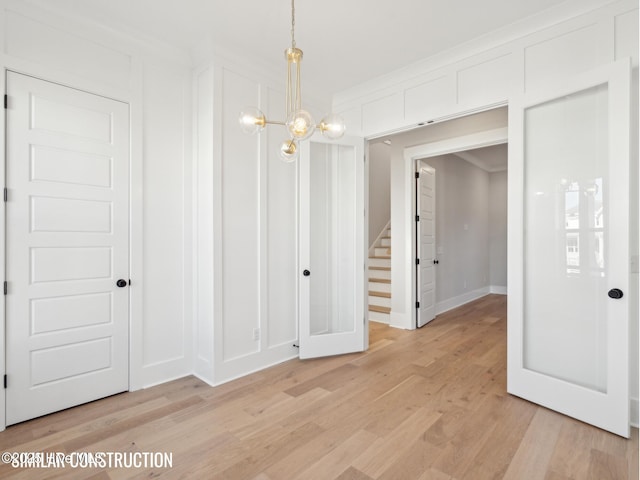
[5, 287]
[417, 174]
[417, 304]
[6, 194]
[417, 261]
[417, 218]
[6, 101]
[5, 380]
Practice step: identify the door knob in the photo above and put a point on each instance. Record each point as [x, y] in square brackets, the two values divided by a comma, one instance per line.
[615, 293]
[306, 273]
[436, 262]
[121, 283]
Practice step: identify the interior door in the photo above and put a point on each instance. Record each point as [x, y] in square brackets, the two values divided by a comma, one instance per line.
[426, 244]
[67, 245]
[568, 312]
[332, 247]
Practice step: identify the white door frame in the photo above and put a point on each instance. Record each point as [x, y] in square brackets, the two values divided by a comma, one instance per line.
[134, 98]
[420, 152]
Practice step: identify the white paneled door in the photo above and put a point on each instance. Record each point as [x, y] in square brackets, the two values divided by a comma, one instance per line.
[569, 296]
[426, 244]
[67, 247]
[332, 247]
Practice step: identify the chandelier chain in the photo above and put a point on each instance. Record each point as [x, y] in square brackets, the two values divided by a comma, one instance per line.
[293, 24]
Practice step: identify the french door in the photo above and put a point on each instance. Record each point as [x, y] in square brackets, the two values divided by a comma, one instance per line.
[569, 297]
[332, 246]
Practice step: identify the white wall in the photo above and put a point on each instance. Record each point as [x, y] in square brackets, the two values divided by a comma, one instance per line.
[247, 225]
[379, 189]
[498, 231]
[155, 80]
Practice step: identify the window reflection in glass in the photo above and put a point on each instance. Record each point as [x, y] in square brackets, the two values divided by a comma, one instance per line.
[584, 200]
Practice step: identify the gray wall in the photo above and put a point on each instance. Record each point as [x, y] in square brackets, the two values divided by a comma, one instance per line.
[471, 227]
[379, 189]
[462, 226]
[498, 229]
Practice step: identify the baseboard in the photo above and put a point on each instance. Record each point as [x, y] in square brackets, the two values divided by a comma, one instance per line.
[634, 420]
[460, 300]
[378, 321]
[225, 378]
[498, 289]
[204, 379]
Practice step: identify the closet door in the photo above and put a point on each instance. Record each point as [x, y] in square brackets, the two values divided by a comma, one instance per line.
[67, 231]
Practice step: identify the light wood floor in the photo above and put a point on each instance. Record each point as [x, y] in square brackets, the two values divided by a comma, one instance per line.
[427, 404]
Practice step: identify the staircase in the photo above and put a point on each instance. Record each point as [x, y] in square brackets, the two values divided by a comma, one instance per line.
[380, 278]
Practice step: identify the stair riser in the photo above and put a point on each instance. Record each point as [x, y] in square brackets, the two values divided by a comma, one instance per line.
[385, 242]
[379, 301]
[379, 317]
[380, 262]
[386, 274]
[382, 251]
[380, 287]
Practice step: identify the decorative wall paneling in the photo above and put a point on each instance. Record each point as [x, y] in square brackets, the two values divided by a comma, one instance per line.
[247, 272]
[473, 77]
[155, 80]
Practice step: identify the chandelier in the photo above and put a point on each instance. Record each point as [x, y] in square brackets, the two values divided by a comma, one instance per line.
[298, 122]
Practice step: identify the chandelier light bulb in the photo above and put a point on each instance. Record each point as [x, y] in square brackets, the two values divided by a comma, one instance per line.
[332, 126]
[289, 150]
[300, 125]
[252, 120]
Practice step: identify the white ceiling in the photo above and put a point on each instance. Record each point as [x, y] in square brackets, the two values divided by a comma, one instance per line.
[345, 42]
[491, 159]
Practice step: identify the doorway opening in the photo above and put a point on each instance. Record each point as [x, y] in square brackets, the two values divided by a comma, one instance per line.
[461, 245]
[454, 145]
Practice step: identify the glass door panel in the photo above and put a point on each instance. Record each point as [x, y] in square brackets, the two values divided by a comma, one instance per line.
[333, 238]
[566, 162]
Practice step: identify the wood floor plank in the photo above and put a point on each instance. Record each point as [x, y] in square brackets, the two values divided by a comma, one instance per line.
[429, 404]
[604, 466]
[353, 474]
[433, 474]
[376, 459]
[534, 453]
[335, 462]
